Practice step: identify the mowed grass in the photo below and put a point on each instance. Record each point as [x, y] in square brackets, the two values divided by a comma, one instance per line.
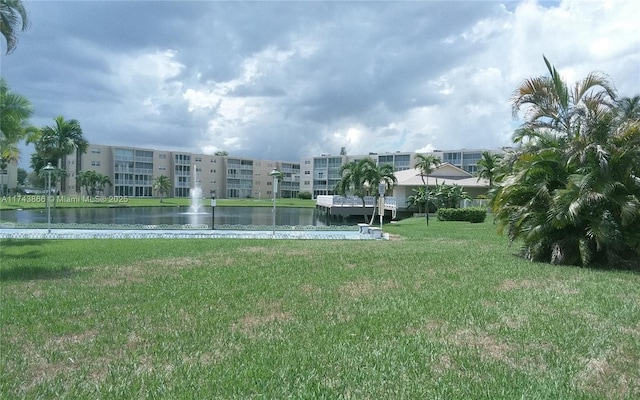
[445, 311]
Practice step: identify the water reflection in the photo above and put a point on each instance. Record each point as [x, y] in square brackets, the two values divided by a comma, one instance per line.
[171, 216]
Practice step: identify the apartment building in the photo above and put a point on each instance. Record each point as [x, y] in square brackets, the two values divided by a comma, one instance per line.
[320, 175]
[464, 159]
[132, 171]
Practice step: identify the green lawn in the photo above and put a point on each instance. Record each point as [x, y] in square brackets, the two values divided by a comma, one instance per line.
[445, 311]
[39, 201]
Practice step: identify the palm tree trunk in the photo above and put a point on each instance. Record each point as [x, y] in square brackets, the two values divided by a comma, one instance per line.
[375, 206]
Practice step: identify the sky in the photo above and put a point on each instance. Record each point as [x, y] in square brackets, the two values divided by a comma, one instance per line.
[288, 80]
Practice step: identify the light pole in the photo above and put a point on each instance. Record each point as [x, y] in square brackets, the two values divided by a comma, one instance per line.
[48, 170]
[213, 210]
[258, 192]
[274, 174]
[381, 190]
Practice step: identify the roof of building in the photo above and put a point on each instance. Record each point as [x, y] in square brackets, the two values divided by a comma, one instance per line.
[446, 174]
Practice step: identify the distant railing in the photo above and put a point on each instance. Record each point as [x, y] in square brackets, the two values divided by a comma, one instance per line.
[353, 201]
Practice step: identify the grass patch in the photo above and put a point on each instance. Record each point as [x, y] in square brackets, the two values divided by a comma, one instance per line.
[440, 311]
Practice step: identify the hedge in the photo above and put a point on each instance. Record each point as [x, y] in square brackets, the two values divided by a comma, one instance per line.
[471, 214]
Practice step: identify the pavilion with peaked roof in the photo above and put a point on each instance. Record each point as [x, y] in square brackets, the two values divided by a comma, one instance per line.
[445, 173]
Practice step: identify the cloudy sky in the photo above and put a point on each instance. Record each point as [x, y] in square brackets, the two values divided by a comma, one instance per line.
[286, 80]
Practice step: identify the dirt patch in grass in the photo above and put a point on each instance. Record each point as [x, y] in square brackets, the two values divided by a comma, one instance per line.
[267, 314]
[310, 289]
[613, 375]
[41, 369]
[489, 347]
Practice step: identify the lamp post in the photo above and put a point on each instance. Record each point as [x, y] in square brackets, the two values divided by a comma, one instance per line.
[381, 190]
[258, 192]
[274, 174]
[213, 210]
[48, 170]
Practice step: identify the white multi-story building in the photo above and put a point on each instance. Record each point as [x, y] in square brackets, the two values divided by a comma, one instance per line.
[132, 171]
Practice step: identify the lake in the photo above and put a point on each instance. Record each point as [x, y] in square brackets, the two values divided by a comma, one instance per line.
[260, 216]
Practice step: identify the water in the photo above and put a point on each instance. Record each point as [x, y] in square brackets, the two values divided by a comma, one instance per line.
[196, 195]
[174, 216]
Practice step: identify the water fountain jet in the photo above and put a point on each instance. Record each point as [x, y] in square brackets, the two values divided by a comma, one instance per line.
[195, 194]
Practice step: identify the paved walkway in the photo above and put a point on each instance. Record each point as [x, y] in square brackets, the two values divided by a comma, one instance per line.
[10, 233]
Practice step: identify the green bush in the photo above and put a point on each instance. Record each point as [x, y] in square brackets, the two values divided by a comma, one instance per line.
[305, 195]
[471, 214]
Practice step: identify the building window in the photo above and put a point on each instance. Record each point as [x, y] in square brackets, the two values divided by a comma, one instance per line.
[95, 151]
[307, 172]
[198, 159]
[95, 163]
[162, 156]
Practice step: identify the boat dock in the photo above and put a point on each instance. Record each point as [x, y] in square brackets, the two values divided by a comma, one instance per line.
[346, 206]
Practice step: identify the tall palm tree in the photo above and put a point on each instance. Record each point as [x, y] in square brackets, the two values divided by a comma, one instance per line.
[60, 140]
[161, 185]
[353, 178]
[381, 174]
[361, 178]
[426, 163]
[488, 167]
[13, 17]
[551, 105]
[573, 193]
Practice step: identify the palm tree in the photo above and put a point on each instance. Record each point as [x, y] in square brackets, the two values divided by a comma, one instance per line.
[60, 140]
[93, 181]
[426, 163]
[13, 17]
[87, 180]
[381, 175]
[551, 105]
[9, 153]
[353, 178]
[361, 178]
[488, 167]
[629, 108]
[15, 111]
[573, 193]
[162, 185]
[102, 181]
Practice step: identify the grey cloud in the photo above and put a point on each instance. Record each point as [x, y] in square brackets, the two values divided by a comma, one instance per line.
[405, 73]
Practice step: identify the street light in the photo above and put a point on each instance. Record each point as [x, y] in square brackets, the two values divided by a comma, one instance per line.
[213, 210]
[48, 170]
[274, 174]
[258, 192]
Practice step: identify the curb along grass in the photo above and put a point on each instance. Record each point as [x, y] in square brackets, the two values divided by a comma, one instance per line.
[440, 311]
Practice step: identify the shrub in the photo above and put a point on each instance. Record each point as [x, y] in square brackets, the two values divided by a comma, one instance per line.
[304, 195]
[471, 214]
